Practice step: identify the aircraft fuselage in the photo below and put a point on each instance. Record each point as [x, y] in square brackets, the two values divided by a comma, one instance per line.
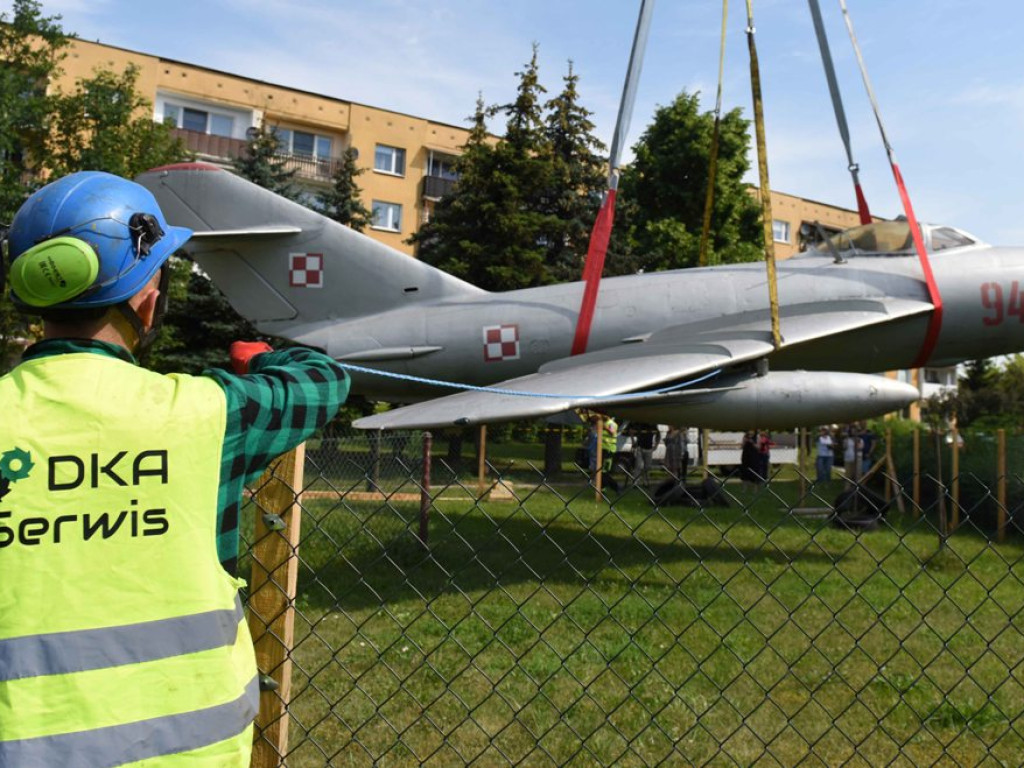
[493, 337]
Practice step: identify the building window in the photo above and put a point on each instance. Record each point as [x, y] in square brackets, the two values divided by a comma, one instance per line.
[780, 231]
[303, 143]
[387, 216]
[199, 120]
[389, 160]
[442, 166]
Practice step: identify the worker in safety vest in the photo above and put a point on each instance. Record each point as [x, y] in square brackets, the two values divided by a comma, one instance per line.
[122, 637]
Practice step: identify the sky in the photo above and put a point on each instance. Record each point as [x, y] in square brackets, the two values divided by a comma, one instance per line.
[948, 76]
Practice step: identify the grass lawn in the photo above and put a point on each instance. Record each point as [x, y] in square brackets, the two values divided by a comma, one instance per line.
[558, 630]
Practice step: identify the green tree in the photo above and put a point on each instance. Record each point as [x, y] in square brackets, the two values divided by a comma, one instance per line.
[31, 48]
[663, 192]
[578, 179]
[341, 201]
[510, 222]
[106, 125]
[263, 164]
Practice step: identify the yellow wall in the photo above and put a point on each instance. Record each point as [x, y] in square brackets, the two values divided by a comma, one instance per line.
[347, 123]
[796, 210]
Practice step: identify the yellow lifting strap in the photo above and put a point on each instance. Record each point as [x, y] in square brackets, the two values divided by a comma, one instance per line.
[762, 167]
[709, 201]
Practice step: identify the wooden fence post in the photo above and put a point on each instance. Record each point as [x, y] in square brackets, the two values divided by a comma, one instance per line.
[275, 568]
[481, 467]
[917, 473]
[801, 462]
[955, 472]
[428, 441]
[1001, 483]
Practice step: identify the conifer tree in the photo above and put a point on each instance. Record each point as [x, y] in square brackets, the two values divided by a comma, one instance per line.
[263, 164]
[493, 229]
[578, 179]
[341, 201]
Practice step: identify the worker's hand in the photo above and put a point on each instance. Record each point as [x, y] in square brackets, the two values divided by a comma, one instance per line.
[244, 351]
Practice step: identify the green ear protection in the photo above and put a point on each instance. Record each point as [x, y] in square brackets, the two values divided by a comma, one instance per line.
[54, 271]
[64, 267]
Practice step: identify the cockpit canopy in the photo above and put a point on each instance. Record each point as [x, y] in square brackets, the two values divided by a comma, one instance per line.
[890, 238]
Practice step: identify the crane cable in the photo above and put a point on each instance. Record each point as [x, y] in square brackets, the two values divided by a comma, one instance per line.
[601, 233]
[762, 167]
[837, 107]
[935, 321]
[709, 201]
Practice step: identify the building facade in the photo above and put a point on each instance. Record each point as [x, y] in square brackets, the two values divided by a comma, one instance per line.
[408, 160]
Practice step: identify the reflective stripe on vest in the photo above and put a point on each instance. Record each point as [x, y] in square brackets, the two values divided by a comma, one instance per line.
[120, 744]
[121, 636]
[65, 652]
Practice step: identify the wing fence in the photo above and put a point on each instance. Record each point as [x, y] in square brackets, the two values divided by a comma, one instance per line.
[414, 605]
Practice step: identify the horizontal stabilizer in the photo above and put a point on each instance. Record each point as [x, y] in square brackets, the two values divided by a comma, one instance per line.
[249, 232]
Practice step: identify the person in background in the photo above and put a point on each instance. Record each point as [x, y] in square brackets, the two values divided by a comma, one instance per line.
[764, 453]
[646, 438]
[825, 458]
[675, 452]
[852, 454]
[123, 638]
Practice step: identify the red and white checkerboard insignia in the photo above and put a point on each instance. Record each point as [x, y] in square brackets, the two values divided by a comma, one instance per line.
[306, 270]
[501, 342]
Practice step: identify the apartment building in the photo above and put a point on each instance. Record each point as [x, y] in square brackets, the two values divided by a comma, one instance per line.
[408, 160]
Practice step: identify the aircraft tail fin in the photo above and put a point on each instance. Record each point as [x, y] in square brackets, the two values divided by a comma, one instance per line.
[281, 264]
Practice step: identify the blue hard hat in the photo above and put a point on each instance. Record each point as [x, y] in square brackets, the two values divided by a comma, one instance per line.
[87, 213]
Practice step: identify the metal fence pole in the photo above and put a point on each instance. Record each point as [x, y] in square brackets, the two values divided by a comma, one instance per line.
[428, 442]
[275, 568]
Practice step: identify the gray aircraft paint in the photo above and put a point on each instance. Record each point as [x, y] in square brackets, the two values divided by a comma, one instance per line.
[380, 308]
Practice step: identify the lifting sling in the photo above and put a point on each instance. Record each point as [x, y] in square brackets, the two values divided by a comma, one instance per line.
[762, 167]
[601, 233]
[935, 321]
[837, 106]
[709, 201]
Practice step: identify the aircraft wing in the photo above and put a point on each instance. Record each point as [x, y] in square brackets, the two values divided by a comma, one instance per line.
[673, 357]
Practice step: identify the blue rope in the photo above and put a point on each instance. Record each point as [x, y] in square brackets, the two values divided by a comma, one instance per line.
[518, 393]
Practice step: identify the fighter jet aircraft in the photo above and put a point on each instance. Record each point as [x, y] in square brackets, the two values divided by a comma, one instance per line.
[689, 346]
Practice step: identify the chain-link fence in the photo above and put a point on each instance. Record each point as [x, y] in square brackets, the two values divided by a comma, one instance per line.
[449, 611]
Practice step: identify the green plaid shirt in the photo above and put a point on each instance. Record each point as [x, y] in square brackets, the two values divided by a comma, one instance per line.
[286, 396]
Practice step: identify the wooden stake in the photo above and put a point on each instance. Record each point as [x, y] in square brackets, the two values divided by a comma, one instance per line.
[916, 497]
[481, 467]
[428, 442]
[887, 456]
[1001, 480]
[275, 569]
[599, 472]
[955, 471]
[801, 460]
[891, 468]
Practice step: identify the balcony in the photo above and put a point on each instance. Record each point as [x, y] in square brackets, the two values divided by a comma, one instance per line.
[221, 150]
[435, 187]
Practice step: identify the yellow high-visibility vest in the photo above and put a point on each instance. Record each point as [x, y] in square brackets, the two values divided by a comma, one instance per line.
[122, 639]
